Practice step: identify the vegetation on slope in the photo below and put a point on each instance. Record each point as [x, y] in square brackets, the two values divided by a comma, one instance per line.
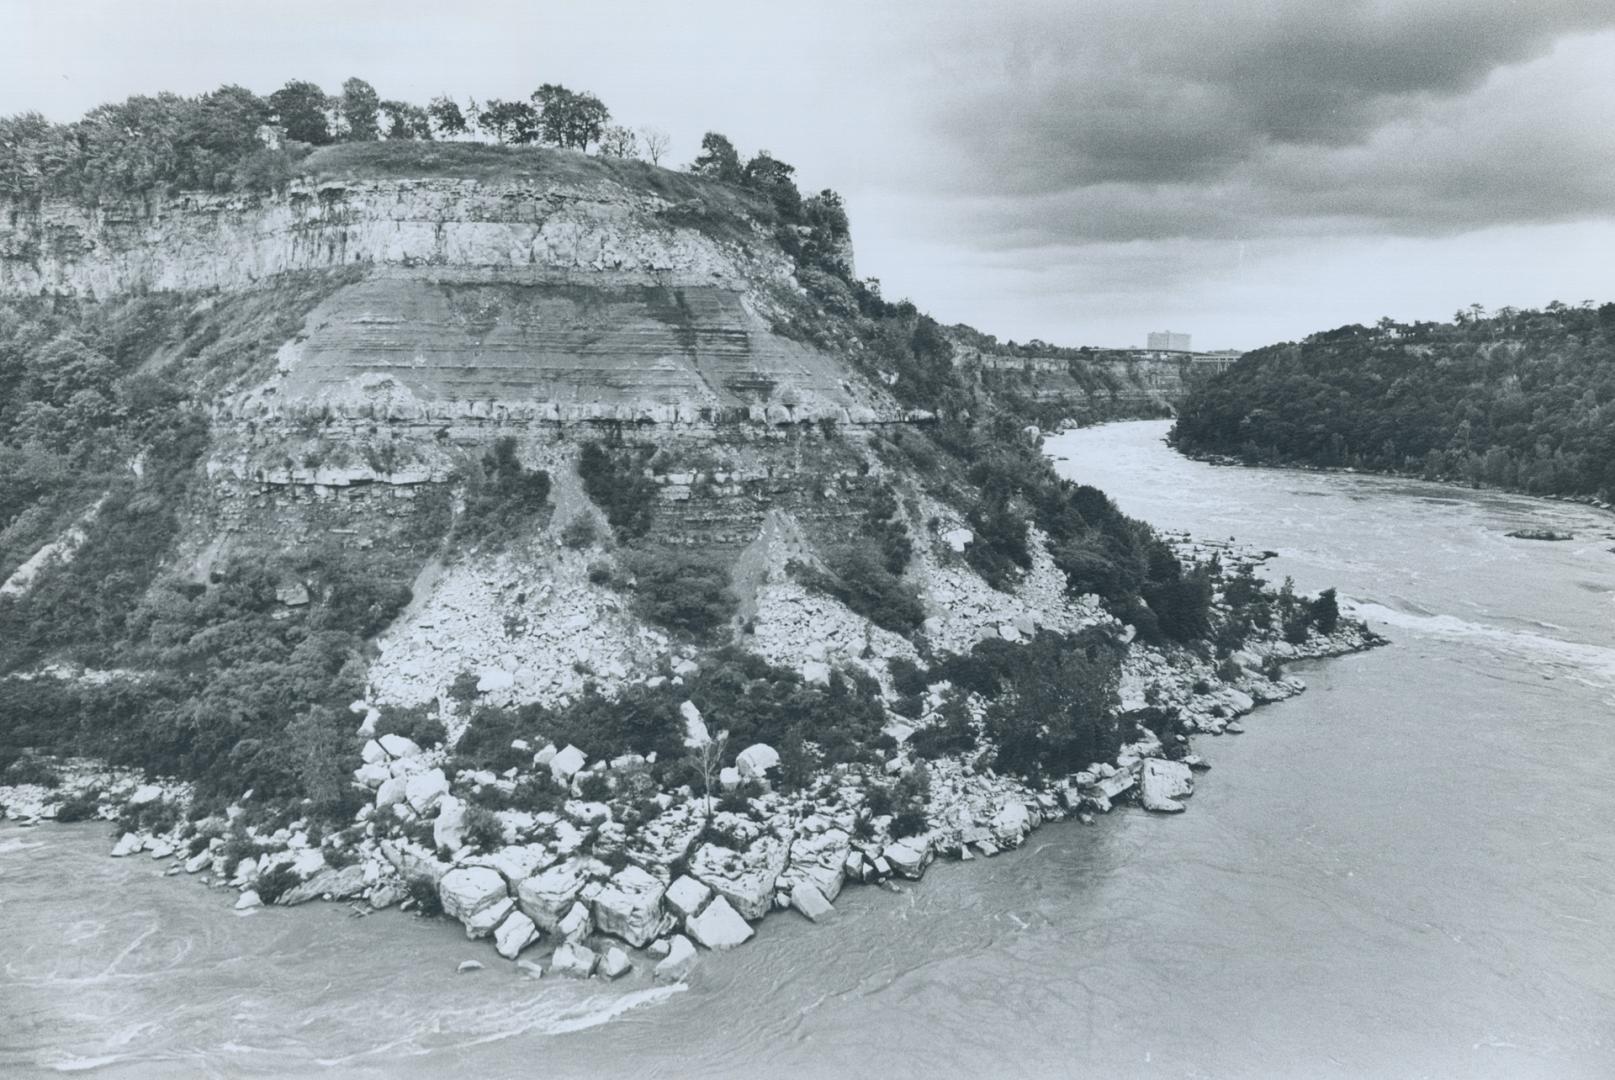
[1521, 399]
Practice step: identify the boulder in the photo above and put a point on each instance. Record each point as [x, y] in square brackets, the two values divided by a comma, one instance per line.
[372, 775]
[748, 880]
[336, 883]
[695, 728]
[373, 753]
[680, 958]
[248, 899]
[567, 763]
[908, 857]
[145, 794]
[424, 789]
[495, 679]
[470, 890]
[198, 861]
[1011, 824]
[630, 906]
[398, 746]
[687, 896]
[810, 902]
[728, 778]
[816, 673]
[719, 926]
[576, 923]
[391, 791]
[820, 860]
[755, 761]
[514, 934]
[615, 963]
[489, 919]
[547, 897]
[531, 968]
[574, 961]
[1162, 783]
[448, 830]
[127, 844]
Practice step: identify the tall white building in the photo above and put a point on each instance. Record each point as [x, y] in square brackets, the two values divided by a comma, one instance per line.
[1167, 340]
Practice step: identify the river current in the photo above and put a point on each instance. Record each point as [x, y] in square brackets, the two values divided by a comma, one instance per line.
[1405, 872]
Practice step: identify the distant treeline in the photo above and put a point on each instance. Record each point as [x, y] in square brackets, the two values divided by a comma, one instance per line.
[1519, 399]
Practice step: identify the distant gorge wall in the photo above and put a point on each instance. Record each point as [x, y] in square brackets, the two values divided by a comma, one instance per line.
[230, 242]
[1115, 387]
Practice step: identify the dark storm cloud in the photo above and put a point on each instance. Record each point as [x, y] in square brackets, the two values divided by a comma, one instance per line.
[1076, 125]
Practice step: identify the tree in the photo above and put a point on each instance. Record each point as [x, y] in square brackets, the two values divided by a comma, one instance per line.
[618, 142]
[359, 105]
[570, 119]
[655, 141]
[300, 109]
[718, 159]
[508, 121]
[706, 754]
[406, 121]
[447, 117]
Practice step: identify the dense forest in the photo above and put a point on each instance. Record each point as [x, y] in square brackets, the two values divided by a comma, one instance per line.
[1519, 399]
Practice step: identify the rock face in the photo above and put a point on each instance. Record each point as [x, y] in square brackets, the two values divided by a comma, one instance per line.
[630, 906]
[1162, 783]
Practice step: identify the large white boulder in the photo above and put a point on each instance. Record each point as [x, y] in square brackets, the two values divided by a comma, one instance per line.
[615, 964]
[687, 896]
[547, 897]
[695, 728]
[908, 857]
[807, 899]
[486, 921]
[755, 761]
[391, 791]
[373, 753]
[746, 880]
[719, 926]
[514, 934]
[495, 679]
[1011, 824]
[146, 794]
[576, 961]
[1162, 783]
[424, 789]
[630, 906]
[566, 763]
[398, 746]
[679, 960]
[127, 844]
[820, 860]
[469, 890]
[448, 829]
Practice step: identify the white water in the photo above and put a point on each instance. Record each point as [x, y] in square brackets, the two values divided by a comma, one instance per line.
[1405, 872]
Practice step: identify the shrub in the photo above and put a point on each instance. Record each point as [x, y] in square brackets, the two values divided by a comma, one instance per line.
[616, 482]
[417, 723]
[682, 591]
[595, 787]
[423, 891]
[862, 580]
[78, 808]
[483, 829]
[580, 532]
[502, 498]
[1325, 612]
[276, 882]
[1059, 713]
[32, 769]
[907, 676]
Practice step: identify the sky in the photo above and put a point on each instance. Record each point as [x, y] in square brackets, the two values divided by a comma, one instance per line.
[1247, 171]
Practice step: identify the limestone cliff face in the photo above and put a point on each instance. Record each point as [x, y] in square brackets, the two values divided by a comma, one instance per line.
[1107, 386]
[552, 312]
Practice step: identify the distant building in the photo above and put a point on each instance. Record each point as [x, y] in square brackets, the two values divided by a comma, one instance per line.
[1166, 340]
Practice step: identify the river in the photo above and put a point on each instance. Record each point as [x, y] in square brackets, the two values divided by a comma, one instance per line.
[1405, 872]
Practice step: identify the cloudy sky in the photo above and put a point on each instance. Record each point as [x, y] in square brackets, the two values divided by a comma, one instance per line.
[1082, 172]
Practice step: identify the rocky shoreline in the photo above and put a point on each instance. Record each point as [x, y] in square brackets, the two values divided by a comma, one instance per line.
[684, 881]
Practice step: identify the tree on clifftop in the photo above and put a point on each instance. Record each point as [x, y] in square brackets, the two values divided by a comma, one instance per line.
[718, 159]
[569, 118]
[300, 108]
[359, 105]
[446, 116]
[508, 121]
